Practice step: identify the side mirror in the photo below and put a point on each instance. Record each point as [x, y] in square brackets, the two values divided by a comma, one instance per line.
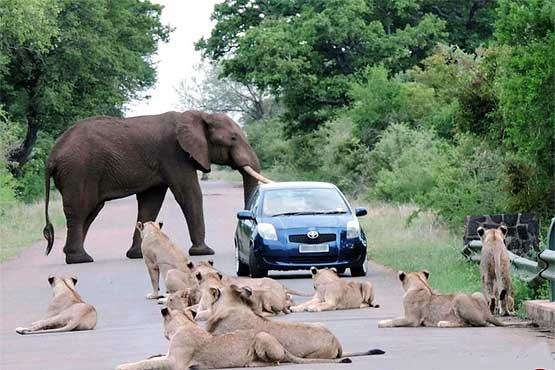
[245, 215]
[360, 211]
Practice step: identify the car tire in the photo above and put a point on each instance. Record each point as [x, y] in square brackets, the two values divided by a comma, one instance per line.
[255, 270]
[360, 270]
[241, 268]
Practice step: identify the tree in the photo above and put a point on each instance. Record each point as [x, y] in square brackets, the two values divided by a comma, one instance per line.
[307, 52]
[76, 59]
[206, 90]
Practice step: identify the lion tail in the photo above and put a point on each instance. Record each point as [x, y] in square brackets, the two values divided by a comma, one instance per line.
[371, 352]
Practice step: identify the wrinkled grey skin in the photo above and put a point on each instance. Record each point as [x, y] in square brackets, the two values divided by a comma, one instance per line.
[104, 158]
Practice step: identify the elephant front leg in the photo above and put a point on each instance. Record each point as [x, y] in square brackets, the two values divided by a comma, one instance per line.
[190, 201]
[149, 203]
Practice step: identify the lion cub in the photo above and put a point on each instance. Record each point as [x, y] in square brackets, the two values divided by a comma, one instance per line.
[424, 307]
[161, 256]
[333, 293]
[193, 347]
[66, 312]
[495, 269]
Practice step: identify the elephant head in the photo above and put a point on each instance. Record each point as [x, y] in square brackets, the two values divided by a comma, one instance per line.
[216, 138]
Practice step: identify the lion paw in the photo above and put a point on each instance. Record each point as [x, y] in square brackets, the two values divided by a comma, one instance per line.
[152, 296]
[21, 330]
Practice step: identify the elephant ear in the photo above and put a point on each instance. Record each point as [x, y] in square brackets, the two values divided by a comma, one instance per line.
[191, 136]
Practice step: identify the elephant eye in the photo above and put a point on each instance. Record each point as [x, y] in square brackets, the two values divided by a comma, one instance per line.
[234, 138]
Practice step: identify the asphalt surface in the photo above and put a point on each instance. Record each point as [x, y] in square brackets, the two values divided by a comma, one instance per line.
[130, 327]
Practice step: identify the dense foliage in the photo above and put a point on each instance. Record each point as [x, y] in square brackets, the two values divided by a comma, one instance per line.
[61, 61]
[446, 104]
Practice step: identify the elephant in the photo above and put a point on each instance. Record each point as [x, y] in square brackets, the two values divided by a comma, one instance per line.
[103, 158]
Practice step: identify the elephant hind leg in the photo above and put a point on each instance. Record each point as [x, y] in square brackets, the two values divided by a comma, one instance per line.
[78, 209]
[149, 203]
[90, 219]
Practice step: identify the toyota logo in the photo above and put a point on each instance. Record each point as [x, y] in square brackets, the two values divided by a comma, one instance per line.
[313, 234]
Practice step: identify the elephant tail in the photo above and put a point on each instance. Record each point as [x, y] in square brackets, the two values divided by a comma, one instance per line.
[48, 230]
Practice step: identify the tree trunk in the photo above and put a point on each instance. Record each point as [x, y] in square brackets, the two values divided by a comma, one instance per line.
[19, 155]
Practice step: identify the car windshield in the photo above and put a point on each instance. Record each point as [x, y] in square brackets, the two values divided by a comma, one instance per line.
[290, 202]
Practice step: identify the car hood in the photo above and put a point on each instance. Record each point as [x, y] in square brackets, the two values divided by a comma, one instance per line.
[307, 221]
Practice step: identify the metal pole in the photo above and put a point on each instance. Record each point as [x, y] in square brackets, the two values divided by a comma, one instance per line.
[551, 245]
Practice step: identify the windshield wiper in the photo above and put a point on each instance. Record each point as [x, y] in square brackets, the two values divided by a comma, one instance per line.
[294, 214]
[309, 213]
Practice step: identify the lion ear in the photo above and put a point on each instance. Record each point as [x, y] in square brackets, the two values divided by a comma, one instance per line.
[211, 262]
[160, 224]
[247, 291]
[503, 229]
[191, 135]
[193, 313]
[74, 279]
[220, 275]
[313, 270]
[51, 279]
[165, 311]
[481, 231]
[334, 269]
[199, 276]
[190, 265]
[140, 226]
[426, 273]
[402, 276]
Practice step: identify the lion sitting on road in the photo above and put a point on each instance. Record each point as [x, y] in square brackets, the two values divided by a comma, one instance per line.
[495, 270]
[425, 307]
[334, 293]
[231, 311]
[193, 347]
[161, 256]
[66, 312]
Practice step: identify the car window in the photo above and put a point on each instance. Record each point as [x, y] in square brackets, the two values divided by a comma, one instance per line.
[303, 201]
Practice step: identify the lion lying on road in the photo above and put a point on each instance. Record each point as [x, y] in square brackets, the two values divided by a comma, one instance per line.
[424, 307]
[161, 256]
[495, 270]
[334, 293]
[193, 347]
[67, 311]
[231, 311]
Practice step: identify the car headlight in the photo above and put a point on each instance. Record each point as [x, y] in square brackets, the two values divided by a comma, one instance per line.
[353, 229]
[267, 231]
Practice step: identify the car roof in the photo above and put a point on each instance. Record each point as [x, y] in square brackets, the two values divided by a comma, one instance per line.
[298, 185]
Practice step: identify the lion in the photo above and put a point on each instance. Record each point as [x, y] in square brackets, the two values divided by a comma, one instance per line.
[193, 347]
[425, 307]
[333, 293]
[495, 270]
[67, 311]
[161, 256]
[231, 311]
[268, 296]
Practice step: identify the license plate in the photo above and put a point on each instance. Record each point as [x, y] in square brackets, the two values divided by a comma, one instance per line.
[314, 248]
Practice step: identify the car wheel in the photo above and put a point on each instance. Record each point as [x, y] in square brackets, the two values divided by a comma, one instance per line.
[242, 269]
[255, 270]
[360, 270]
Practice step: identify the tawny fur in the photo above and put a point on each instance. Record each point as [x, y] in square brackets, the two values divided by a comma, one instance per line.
[231, 311]
[162, 257]
[334, 293]
[425, 307]
[193, 347]
[66, 312]
[495, 271]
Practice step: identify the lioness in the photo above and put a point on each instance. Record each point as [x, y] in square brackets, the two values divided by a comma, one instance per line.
[193, 347]
[231, 311]
[66, 312]
[334, 293]
[424, 307]
[162, 256]
[495, 270]
[267, 295]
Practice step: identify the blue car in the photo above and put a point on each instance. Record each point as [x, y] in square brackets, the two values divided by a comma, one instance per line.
[296, 225]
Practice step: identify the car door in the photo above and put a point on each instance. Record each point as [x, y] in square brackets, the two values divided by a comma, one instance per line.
[246, 227]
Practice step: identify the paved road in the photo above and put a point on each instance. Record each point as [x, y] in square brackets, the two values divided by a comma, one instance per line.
[129, 327]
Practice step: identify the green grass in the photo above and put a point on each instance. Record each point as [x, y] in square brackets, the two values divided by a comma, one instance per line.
[424, 244]
[21, 225]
